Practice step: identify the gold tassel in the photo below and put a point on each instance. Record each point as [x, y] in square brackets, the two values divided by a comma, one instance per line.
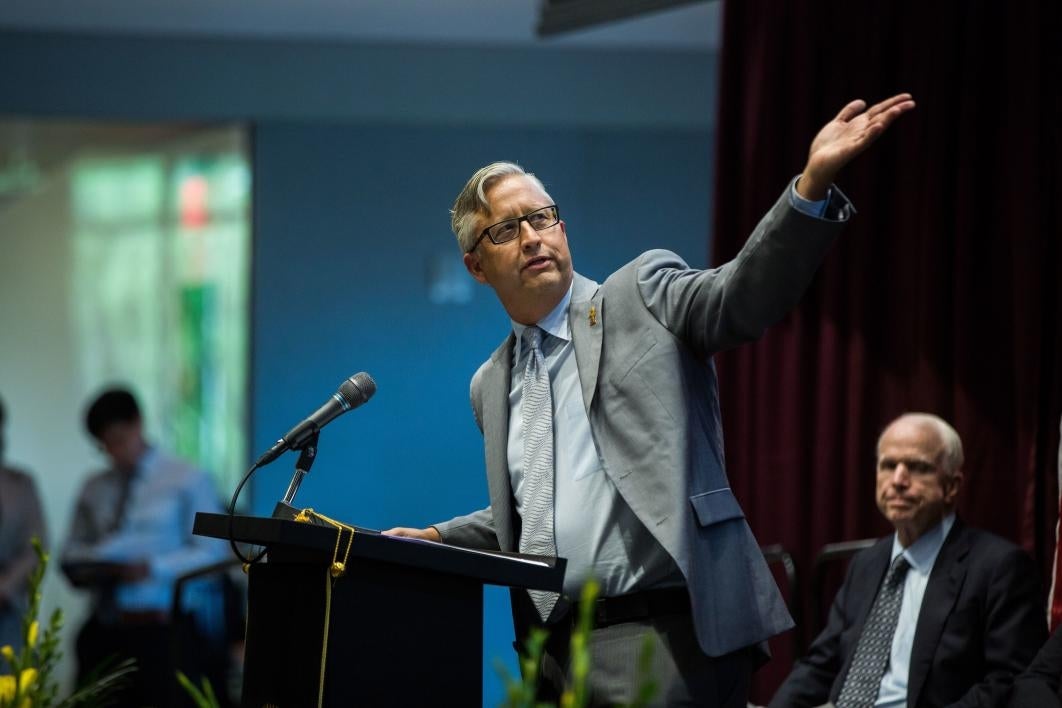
[339, 567]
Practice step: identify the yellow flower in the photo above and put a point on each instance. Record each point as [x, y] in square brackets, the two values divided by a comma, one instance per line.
[31, 635]
[7, 687]
[26, 679]
[7, 652]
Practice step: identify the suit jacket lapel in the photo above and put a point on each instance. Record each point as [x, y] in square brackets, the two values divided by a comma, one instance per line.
[945, 581]
[872, 581]
[495, 422]
[586, 319]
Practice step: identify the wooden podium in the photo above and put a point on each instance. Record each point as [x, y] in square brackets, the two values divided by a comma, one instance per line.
[403, 626]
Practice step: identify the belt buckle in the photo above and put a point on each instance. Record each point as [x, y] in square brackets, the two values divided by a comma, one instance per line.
[622, 608]
[600, 612]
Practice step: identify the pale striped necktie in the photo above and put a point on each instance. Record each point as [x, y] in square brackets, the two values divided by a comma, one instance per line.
[861, 685]
[536, 535]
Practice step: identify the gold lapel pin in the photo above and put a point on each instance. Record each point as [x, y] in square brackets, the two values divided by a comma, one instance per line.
[593, 315]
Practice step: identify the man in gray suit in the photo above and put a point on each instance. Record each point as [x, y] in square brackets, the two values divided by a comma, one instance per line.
[636, 495]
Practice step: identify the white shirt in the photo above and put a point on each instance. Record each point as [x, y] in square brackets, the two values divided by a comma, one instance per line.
[164, 496]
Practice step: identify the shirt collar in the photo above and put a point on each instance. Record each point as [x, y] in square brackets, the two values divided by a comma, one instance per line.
[923, 553]
[146, 463]
[555, 323]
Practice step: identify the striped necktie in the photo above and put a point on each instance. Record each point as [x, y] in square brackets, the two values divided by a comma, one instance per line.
[861, 685]
[536, 535]
[125, 490]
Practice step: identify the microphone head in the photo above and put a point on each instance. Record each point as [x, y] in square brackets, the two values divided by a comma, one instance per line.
[357, 389]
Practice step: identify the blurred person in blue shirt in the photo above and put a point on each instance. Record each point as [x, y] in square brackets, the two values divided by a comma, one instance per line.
[129, 541]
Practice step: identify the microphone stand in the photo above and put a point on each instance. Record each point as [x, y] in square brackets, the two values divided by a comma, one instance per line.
[307, 454]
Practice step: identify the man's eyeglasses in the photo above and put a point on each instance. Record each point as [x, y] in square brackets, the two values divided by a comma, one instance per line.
[503, 231]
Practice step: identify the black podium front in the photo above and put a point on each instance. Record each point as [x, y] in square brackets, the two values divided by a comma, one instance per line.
[402, 626]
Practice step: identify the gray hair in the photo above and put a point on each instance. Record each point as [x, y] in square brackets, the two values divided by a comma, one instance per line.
[950, 442]
[472, 200]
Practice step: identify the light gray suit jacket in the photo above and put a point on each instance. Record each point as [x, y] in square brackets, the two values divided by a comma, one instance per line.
[651, 395]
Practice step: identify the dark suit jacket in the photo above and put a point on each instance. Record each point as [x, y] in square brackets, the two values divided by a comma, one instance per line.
[1038, 687]
[980, 624]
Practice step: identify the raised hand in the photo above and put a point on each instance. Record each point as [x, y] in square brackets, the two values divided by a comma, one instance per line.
[844, 137]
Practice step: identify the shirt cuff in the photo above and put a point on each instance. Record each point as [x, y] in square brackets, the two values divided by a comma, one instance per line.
[816, 209]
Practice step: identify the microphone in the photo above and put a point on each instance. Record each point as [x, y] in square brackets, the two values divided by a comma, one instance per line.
[352, 393]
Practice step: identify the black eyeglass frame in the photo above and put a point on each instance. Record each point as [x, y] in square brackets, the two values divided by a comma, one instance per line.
[520, 219]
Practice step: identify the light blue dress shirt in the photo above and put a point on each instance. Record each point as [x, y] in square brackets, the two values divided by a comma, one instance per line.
[806, 206]
[594, 529]
[921, 555]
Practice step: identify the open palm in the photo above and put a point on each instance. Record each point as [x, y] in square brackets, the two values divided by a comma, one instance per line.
[844, 137]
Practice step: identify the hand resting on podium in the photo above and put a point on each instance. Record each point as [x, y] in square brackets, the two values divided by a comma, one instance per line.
[428, 534]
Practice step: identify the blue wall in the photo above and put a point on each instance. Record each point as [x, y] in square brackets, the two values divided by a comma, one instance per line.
[168, 78]
[358, 153]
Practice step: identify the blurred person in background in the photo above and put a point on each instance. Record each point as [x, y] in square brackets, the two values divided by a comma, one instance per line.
[129, 541]
[21, 520]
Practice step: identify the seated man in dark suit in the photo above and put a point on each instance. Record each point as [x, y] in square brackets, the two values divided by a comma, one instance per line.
[936, 614]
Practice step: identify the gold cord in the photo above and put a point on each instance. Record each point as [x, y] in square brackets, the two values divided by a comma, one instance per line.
[339, 567]
[337, 570]
[324, 641]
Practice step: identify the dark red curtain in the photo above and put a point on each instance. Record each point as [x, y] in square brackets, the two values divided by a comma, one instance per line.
[944, 294]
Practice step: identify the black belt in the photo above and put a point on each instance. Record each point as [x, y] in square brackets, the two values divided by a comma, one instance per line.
[636, 606]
